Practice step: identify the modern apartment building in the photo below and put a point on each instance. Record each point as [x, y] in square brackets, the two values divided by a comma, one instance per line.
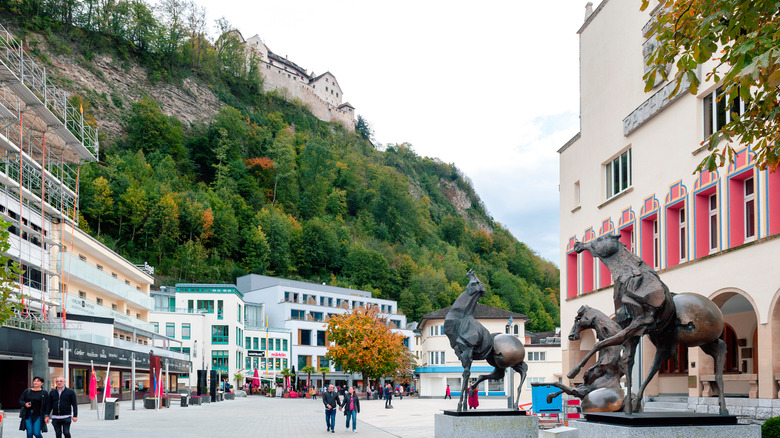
[630, 171]
[303, 309]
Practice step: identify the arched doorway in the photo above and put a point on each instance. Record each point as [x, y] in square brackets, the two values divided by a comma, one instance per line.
[740, 371]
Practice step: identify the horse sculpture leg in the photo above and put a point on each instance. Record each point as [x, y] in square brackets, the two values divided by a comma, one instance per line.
[521, 369]
[717, 349]
[466, 362]
[629, 350]
[663, 352]
[495, 375]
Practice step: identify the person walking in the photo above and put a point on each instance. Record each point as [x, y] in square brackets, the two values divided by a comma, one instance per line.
[330, 399]
[388, 396]
[351, 407]
[35, 404]
[447, 394]
[63, 408]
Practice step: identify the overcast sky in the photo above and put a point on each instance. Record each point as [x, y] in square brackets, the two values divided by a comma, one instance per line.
[491, 86]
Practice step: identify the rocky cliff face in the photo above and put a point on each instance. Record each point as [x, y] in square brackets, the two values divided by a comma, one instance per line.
[112, 86]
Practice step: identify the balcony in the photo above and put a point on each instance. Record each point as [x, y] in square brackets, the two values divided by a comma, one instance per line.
[81, 306]
[102, 281]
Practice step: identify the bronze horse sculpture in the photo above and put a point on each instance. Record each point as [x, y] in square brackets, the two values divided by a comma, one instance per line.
[644, 306]
[605, 373]
[472, 341]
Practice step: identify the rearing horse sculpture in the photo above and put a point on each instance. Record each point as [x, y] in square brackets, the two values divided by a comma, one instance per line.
[644, 305]
[606, 373]
[472, 341]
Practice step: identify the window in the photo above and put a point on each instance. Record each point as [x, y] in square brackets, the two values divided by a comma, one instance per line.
[713, 222]
[278, 344]
[532, 380]
[220, 334]
[206, 306]
[156, 326]
[248, 342]
[317, 316]
[304, 337]
[170, 329]
[577, 194]
[113, 274]
[729, 336]
[284, 345]
[99, 301]
[678, 363]
[715, 111]
[750, 209]
[683, 236]
[239, 313]
[255, 344]
[297, 314]
[618, 174]
[190, 306]
[436, 358]
[537, 356]
[262, 344]
[82, 294]
[320, 338]
[219, 360]
[656, 246]
[220, 309]
[100, 268]
[114, 306]
[185, 331]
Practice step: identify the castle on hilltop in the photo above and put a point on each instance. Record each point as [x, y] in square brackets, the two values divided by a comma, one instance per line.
[322, 93]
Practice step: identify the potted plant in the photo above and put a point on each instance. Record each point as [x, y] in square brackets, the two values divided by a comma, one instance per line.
[195, 400]
[308, 369]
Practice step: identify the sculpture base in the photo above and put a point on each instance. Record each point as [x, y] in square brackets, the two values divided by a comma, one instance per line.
[485, 424]
[664, 425]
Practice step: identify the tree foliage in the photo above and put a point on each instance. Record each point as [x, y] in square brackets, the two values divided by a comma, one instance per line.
[737, 44]
[363, 343]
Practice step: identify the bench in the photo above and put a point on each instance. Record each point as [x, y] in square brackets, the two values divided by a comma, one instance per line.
[709, 385]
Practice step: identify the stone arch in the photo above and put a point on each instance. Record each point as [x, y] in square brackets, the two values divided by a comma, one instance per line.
[774, 350]
[741, 314]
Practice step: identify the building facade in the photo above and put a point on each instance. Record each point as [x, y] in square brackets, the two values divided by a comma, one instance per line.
[630, 171]
[303, 309]
[219, 331]
[439, 366]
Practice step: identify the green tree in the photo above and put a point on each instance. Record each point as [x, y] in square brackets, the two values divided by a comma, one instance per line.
[737, 43]
[151, 130]
[308, 369]
[363, 128]
[9, 274]
[103, 201]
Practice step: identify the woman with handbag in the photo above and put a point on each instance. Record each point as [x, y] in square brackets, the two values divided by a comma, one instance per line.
[351, 407]
[35, 404]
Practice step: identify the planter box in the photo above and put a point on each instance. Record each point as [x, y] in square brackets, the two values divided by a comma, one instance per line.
[150, 403]
[230, 396]
[205, 398]
[195, 400]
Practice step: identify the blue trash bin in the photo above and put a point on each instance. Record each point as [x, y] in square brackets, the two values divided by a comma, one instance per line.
[539, 400]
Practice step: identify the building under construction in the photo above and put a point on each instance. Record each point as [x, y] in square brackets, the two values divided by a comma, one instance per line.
[90, 304]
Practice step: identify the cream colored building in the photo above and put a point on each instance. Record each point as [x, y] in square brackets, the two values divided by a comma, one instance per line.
[543, 356]
[439, 367]
[630, 171]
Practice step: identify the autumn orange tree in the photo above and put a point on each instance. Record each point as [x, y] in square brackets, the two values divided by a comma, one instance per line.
[363, 343]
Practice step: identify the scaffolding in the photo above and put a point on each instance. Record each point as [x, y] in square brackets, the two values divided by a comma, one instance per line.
[43, 141]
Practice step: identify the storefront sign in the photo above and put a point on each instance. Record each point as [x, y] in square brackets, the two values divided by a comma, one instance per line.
[19, 343]
[255, 353]
[278, 354]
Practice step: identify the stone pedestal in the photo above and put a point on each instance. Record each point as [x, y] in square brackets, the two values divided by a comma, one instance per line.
[601, 430]
[485, 424]
[560, 432]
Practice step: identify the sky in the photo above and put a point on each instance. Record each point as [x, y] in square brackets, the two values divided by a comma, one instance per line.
[490, 86]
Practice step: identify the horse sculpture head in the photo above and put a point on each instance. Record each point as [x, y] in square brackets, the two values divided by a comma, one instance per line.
[581, 322]
[602, 247]
[475, 287]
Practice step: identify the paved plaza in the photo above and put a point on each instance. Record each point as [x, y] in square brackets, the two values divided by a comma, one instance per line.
[259, 417]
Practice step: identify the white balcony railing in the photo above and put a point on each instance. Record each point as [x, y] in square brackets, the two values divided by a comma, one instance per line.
[82, 306]
[103, 281]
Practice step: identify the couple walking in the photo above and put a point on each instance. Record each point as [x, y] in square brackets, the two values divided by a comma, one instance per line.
[351, 406]
[39, 406]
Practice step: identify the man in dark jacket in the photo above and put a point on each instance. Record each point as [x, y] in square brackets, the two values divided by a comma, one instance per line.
[63, 408]
[330, 399]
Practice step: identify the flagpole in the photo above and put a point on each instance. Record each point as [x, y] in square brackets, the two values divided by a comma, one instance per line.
[266, 344]
[106, 388]
[93, 395]
[159, 382]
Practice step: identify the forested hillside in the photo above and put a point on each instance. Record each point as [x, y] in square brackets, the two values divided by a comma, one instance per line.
[259, 185]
